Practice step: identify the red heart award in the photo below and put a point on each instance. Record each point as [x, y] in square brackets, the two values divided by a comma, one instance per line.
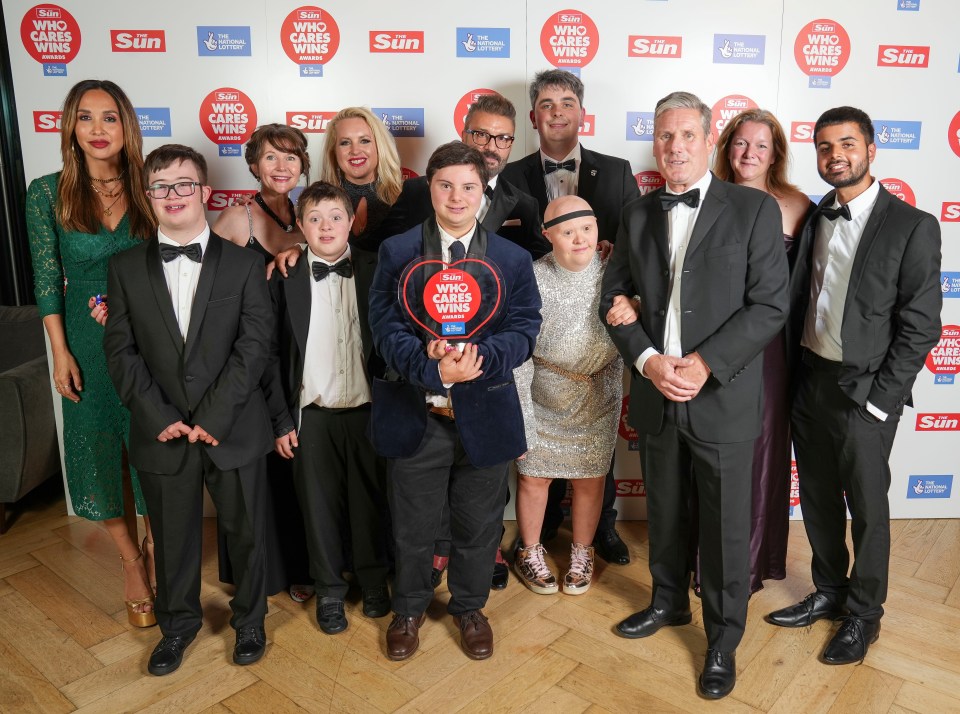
[451, 301]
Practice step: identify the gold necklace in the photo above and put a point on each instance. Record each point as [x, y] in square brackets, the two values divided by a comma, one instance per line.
[108, 194]
[109, 180]
[108, 210]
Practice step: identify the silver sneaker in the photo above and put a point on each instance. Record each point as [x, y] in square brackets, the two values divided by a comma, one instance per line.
[533, 571]
[577, 580]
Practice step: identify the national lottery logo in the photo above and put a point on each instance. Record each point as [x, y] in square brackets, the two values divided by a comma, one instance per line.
[900, 189]
[485, 42]
[935, 486]
[569, 39]
[221, 199]
[639, 126]
[950, 284]
[51, 36]
[223, 41]
[310, 37]
[801, 132]
[310, 122]
[739, 49]
[727, 108]
[953, 134]
[138, 41]
[903, 56]
[892, 134]
[154, 121]
[47, 122]
[656, 46]
[406, 122]
[822, 49]
[648, 181]
[396, 41]
[944, 358]
[228, 118]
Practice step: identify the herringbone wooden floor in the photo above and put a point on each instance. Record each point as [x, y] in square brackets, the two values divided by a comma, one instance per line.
[65, 645]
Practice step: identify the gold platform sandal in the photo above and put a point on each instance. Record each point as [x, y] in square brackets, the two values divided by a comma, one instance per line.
[134, 616]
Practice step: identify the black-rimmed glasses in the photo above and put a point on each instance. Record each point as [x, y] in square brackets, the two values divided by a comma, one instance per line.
[182, 189]
[482, 138]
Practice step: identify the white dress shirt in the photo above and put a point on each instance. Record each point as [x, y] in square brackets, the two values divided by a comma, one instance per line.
[182, 276]
[562, 182]
[681, 219]
[485, 203]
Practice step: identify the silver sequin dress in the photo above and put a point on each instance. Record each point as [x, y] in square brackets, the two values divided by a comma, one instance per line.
[571, 425]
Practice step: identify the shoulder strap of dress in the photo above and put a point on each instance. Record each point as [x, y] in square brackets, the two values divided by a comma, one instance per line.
[250, 224]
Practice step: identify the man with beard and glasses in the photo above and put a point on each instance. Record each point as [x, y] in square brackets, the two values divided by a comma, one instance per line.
[865, 310]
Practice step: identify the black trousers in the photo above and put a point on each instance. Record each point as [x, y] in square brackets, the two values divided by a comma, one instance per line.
[843, 450]
[175, 505]
[419, 486]
[340, 481]
[553, 515]
[673, 461]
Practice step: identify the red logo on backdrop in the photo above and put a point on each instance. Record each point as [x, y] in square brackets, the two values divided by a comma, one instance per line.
[953, 134]
[221, 199]
[950, 212]
[938, 422]
[727, 108]
[822, 48]
[801, 132]
[631, 487]
[627, 432]
[310, 122]
[900, 189]
[138, 41]
[654, 46]
[309, 35]
[648, 181]
[569, 38]
[46, 122]
[227, 116]
[903, 56]
[588, 125]
[396, 41]
[463, 106]
[794, 485]
[50, 34]
[407, 173]
[945, 357]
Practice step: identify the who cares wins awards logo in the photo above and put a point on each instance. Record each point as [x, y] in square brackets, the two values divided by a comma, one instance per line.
[900, 189]
[821, 50]
[953, 134]
[228, 118]
[51, 36]
[944, 358]
[727, 108]
[569, 40]
[310, 37]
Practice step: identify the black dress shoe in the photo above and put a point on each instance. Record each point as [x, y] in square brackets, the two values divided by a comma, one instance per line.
[852, 640]
[815, 606]
[501, 575]
[646, 622]
[608, 545]
[439, 565]
[168, 654]
[719, 674]
[330, 615]
[251, 644]
[376, 601]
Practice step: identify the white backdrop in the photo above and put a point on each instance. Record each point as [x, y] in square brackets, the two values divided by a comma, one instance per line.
[205, 74]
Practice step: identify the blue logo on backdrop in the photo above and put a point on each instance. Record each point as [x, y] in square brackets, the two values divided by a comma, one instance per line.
[738, 49]
[639, 126]
[943, 379]
[217, 41]
[311, 70]
[230, 149]
[154, 121]
[55, 70]
[897, 134]
[908, 5]
[485, 42]
[818, 83]
[950, 284]
[403, 122]
[929, 486]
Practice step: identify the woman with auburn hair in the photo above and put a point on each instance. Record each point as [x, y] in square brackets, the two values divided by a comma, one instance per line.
[752, 151]
[77, 219]
[360, 155]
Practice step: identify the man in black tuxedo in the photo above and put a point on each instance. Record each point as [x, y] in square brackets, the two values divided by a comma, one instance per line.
[563, 167]
[865, 311]
[705, 259]
[186, 343]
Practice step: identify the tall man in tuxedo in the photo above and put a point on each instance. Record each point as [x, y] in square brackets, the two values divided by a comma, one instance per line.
[706, 260]
[449, 421]
[186, 343]
[865, 311]
[562, 167]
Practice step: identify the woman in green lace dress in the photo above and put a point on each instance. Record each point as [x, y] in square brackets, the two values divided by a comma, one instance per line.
[76, 219]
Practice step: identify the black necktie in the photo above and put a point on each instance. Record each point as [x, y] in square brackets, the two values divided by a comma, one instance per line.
[170, 252]
[669, 200]
[833, 214]
[321, 270]
[457, 251]
[550, 166]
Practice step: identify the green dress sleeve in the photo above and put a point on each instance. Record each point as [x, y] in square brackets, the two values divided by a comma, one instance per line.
[44, 234]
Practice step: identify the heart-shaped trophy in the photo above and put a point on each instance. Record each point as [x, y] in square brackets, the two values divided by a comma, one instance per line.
[454, 301]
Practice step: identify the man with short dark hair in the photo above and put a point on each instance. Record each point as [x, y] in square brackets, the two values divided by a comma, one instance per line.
[865, 311]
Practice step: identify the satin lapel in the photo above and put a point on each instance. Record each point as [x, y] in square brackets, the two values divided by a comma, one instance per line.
[657, 219]
[868, 239]
[162, 295]
[587, 176]
[364, 266]
[478, 245]
[299, 302]
[714, 203]
[208, 273]
[499, 209]
[538, 188]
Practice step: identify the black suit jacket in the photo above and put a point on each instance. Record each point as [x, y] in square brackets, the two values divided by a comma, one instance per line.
[292, 304]
[605, 182]
[509, 204]
[891, 316]
[213, 377]
[733, 297]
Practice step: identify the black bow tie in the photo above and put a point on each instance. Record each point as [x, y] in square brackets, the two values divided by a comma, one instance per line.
[321, 270]
[170, 252]
[669, 200]
[835, 213]
[550, 166]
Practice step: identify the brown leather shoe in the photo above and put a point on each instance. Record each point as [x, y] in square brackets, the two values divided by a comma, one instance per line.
[476, 635]
[403, 636]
